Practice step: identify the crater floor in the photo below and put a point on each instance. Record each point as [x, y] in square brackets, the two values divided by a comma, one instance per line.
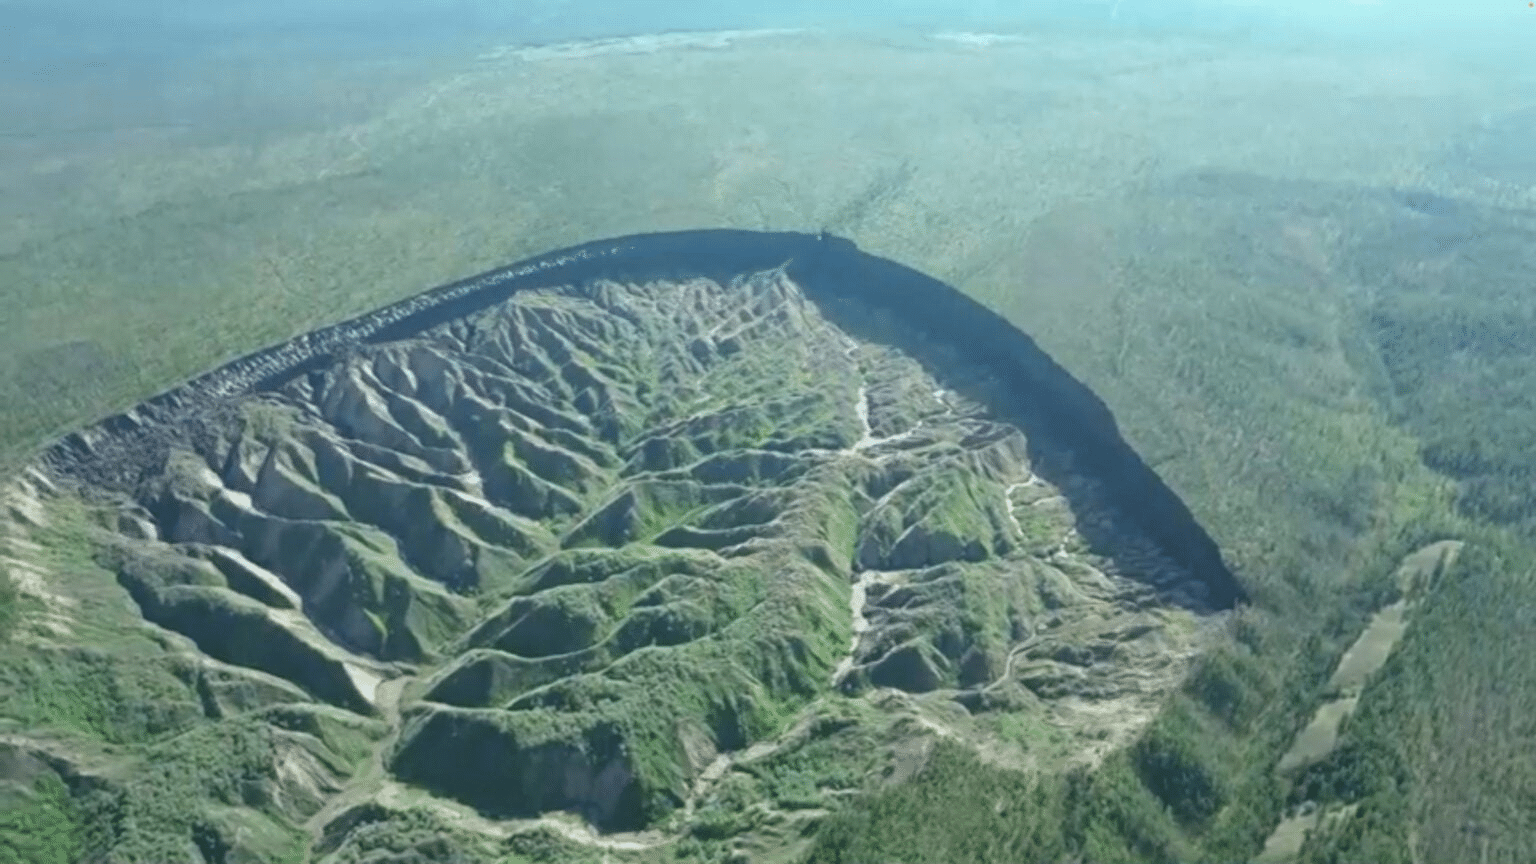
[584, 550]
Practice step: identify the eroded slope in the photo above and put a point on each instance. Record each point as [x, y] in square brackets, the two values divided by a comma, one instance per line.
[574, 546]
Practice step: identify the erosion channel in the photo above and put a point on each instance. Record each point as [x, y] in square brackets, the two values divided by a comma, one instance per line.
[582, 539]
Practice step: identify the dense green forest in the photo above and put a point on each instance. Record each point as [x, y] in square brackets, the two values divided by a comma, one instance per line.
[1318, 536]
[1441, 758]
[1438, 760]
[1328, 376]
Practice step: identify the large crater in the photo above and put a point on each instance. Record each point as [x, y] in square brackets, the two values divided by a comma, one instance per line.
[578, 525]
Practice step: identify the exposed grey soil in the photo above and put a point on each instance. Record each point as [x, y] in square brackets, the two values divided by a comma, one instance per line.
[593, 523]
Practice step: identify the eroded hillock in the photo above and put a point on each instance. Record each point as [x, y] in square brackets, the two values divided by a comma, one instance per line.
[590, 544]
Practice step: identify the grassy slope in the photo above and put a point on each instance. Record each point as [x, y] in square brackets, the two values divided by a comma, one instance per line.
[125, 714]
[1253, 390]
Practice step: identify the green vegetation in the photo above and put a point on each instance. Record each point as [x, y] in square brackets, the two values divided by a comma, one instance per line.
[955, 809]
[1196, 785]
[10, 601]
[375, 835]
[1436, 760]
[1318, 496]
[653, 578]
[43, 827]
[1457, 344]
[164, 750]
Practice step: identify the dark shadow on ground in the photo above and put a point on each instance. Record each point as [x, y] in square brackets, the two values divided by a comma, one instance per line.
[1071, 432]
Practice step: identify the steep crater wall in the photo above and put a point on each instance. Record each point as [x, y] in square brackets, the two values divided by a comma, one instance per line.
[596, 521]
[123, 451]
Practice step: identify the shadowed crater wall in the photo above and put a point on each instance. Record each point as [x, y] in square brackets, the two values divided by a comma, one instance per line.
[1058, 413]
[590, 521]
[123, 450]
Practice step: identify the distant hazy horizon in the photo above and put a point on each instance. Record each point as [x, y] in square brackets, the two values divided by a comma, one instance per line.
[85, 65]
[36, 29]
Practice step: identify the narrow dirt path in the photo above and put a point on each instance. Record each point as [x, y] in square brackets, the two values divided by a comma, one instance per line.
[1013, 655]
[1008, 503]
[857, 599]
[372, 782]
[859, 593]
[1367, 654]
[722, 764]
[861, 408]
[370, 776]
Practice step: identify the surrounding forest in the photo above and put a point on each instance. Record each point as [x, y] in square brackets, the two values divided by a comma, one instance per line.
[1332, 374]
